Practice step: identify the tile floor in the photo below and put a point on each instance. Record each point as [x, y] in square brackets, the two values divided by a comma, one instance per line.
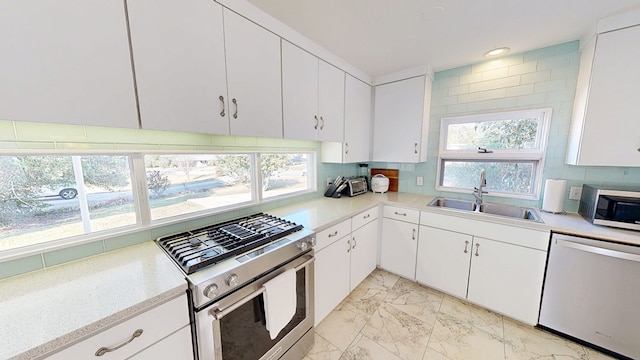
[390, 318]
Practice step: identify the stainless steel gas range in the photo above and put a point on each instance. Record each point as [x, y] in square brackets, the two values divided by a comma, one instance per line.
[227, 266]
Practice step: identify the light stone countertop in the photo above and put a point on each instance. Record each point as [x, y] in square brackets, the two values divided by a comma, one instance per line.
[48, 309]
[51, 308]
[322, 213]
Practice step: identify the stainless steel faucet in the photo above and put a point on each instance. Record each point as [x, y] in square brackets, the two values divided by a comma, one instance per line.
[478, 191]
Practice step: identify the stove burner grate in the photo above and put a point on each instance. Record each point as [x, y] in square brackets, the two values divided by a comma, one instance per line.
[239, 232]
[203, 247]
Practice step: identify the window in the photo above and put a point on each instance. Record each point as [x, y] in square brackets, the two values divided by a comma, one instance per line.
[50, 197]
[509, 146]
[284, 174]
[187, 183]
[181, 184]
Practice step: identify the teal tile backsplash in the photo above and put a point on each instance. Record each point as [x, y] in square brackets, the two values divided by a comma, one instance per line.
[536, 79]
[73, 253]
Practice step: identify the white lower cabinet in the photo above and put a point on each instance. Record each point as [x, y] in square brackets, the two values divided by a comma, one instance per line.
[443, 260]
[507, 278]
[399, 241]
[162, 330]
[341, 265]
[331, 271]
[496, 266]
[364, 252]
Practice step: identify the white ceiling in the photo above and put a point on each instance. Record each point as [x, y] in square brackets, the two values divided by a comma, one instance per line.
[384, 36]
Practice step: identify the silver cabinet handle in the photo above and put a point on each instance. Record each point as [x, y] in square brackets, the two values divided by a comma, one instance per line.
[477, 249]
[415, 148]
[366, 216]
[355, 242]
[466, 243]
[235, 102]
[346, 148]
[322, 126]
[222, 101]
[349, 247]
[413, 236]
[103, 350]
[401, 214]
[316, 117]
[334, 234]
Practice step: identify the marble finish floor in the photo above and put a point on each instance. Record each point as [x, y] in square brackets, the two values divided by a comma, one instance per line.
[390, 318]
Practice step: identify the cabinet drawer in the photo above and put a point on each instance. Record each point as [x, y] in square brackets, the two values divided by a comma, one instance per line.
[402, 214]
[324, 238]
[364, 218]
[156, 324]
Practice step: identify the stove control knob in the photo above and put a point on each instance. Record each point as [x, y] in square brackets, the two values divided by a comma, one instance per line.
[232, 280]
[211, 291]
[313, 241]
[303, 245]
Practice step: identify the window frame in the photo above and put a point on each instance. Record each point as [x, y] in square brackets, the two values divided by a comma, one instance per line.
[536, 156]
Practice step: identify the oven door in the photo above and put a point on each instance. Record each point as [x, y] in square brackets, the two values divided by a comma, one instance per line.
[234, 327]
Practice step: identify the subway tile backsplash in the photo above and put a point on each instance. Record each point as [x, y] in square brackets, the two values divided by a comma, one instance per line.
[540, 78]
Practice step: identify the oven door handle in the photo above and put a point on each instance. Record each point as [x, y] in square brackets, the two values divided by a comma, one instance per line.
[220, 313]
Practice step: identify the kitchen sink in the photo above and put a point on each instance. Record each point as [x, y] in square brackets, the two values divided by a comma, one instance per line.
[453, 204]
[514, 212]
[510, 211]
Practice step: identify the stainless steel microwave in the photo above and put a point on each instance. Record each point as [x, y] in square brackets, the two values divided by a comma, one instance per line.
[616, 206]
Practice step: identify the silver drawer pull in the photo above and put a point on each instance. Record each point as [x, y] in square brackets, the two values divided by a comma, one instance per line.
[334, 234]
[103, 350]
[401, 214]
[466, 243]
[413, 237]
[366, 217]
[477, 249]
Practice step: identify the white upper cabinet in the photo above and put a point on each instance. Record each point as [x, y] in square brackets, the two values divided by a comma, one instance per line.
[357, 126]
[401, 120]
[66, 61]
[313, 96]
[357, 123]
[178, 53]
[253, 77]
[604, 129]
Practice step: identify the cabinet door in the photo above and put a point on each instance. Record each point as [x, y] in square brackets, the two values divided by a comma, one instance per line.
[357, 126]
[507, 278]
[364, 252]
[175, 346]
[357, 120]
[398, 120]
[66, 62]
[331, 269]
[399, 247]
[299, 93]
[610, 136]
[254, 78]
[330, 102]
[443, 260]
[178, 52]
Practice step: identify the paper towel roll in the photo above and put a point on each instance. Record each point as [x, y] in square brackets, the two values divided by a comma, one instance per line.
[554, 191]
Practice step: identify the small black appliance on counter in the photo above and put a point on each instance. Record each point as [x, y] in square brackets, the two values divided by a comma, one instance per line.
[352, 186]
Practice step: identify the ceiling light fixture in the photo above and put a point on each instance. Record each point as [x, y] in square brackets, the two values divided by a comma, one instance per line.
[497, 52]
